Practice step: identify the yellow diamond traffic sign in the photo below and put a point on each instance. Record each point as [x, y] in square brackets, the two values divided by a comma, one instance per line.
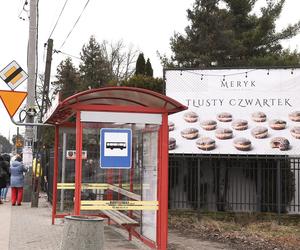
[13, 75]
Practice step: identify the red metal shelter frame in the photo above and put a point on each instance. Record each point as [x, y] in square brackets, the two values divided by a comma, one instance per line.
[117, 99]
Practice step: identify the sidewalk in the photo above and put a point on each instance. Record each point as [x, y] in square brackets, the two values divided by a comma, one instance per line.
[26, 228]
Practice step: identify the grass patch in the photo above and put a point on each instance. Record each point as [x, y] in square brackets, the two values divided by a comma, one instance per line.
[241, 230]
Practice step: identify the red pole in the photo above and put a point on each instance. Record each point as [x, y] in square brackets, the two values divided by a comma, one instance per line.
[159, 167]
[120, 183]
[163, 186]
[55, 172]
[78, 164]
[110, 173]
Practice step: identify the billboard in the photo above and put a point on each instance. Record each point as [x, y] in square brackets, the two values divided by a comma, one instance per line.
[235, 111]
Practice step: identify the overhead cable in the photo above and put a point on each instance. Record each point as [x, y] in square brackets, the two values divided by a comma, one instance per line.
[87, 2]
[23, 9]
[58, 18]
[64, 53]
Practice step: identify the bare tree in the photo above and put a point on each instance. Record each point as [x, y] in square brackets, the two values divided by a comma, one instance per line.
[121, 59]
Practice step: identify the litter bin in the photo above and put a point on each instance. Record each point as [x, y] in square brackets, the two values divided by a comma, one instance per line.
[83, 232]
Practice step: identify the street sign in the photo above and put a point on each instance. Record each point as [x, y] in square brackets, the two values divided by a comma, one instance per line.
[19, 143]
[115, 148]
[27, 156]
[13, 75]
[12, 100]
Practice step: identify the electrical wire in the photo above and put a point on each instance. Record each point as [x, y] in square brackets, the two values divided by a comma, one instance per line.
[67, 54]
[58, 18]
[230, 74]
[87, 2]
[23, 9]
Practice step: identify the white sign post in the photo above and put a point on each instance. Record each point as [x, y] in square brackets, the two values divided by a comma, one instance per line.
[27, 156]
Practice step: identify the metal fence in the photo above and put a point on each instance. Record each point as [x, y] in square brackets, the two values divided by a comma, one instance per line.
[234, 183]
[230, 183]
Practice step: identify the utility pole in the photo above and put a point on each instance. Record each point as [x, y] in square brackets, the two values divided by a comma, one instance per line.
[45, 100]
[31, 65]
[44, 106]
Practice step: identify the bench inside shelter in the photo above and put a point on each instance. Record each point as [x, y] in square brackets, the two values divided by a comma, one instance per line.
[121, 212]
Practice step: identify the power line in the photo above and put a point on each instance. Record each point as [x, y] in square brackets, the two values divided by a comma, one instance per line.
[64, 53]
[87, 2]
[23, 9]
[58, 18]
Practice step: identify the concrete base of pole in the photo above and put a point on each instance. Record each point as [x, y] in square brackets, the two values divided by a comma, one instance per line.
[34, 199]
[83, 232]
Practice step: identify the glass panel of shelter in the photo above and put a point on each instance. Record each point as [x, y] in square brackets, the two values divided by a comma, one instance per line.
[140, 181]
[66, 171]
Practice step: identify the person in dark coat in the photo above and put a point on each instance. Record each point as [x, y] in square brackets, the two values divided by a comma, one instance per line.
[6, 158]
[17, 170]
[4, 174]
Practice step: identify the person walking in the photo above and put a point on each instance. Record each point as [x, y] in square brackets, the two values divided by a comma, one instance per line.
[17, 170]
[6, 158]
[4, 174]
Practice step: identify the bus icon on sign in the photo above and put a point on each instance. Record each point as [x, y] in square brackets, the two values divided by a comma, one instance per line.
[113, 145]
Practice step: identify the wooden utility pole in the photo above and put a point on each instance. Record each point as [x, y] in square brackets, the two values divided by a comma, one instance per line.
[45, 100]
[36, 179]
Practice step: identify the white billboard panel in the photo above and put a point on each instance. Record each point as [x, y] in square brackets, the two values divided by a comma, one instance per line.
[235, 111]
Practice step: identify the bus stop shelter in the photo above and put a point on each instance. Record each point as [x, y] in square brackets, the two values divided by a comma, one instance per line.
[111, 159]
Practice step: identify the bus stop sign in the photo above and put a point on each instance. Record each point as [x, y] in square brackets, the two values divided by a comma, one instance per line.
[115, 148]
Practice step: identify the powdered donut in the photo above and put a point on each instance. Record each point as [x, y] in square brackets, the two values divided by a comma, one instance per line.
[206, 143]
[259, 116]
[239, 124]
[295, 131]
[242, 144]
[223, 133]
[224, 117]
[171, 125]
[208, 124]
[277, 124]
[259, 132]
[172, 143]
[295, 116]
[281, 143]
[190, 116]
[189, 133]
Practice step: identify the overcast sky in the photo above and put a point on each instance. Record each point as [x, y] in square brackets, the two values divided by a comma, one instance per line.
[147, 25]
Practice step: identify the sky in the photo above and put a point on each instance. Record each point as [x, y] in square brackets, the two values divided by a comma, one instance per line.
[145, 25]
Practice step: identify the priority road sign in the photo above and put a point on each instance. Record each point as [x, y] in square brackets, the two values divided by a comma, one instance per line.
[115, 148]
[13, 75]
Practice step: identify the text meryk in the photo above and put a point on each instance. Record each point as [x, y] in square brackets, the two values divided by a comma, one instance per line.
[237, 84]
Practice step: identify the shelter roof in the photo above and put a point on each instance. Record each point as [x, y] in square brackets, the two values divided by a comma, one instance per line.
[113, 96]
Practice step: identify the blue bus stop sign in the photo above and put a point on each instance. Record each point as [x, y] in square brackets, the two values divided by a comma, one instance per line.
[115, 148]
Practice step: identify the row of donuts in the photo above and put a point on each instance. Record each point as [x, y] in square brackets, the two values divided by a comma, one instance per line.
[241, 143]
[191, 117]
[259, 132]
